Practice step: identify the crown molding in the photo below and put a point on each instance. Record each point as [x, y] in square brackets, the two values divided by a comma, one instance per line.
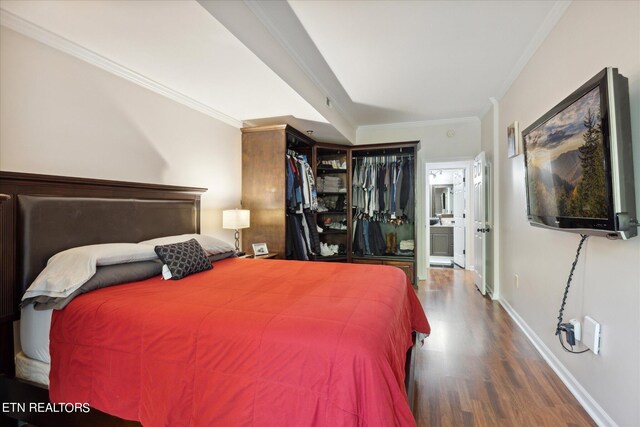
[33, 31]
[253, 23]
[548, 24]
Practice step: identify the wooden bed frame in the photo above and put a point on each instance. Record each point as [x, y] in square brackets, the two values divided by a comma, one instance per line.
[152, 202]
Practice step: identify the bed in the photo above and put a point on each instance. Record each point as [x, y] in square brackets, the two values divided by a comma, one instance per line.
[251, 342]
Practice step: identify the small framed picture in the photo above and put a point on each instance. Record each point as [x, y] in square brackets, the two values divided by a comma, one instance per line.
[513, 140]
[260, 249]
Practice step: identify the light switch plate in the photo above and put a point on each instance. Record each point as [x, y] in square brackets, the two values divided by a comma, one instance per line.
[591, 334]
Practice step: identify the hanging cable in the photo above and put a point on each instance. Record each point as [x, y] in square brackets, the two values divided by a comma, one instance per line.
[567, 327]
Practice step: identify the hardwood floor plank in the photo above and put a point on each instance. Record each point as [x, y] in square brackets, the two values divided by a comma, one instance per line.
[478, 369]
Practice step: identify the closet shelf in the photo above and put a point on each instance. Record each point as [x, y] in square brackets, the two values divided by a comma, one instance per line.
[329, 231]
[330, 170]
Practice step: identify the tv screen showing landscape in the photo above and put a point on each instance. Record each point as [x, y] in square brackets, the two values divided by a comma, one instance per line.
[566, 163]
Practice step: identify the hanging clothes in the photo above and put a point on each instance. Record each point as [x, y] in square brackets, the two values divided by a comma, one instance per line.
[314, 237]
[295, 246]
[382, 192]
[368, 238]
[409, 208]
[302, 240]
[312, 192]
[301, 185]
[377, 241]
[399, 188]
[383, 186]
[382, 170]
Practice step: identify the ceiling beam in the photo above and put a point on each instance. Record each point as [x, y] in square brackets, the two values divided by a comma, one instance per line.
[272, 31]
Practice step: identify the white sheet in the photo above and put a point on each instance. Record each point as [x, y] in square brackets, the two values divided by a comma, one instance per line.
[32, 370]
[34, 333]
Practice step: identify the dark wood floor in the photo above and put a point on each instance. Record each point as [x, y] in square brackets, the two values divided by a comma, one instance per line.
[478, 368]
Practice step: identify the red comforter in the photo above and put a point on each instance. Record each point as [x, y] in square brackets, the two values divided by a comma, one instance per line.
[251, 342]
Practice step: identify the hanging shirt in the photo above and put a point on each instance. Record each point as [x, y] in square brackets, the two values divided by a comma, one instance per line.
[399, 179]
[313, 194]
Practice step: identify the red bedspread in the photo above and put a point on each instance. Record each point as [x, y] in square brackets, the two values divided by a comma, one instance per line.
[251, 342]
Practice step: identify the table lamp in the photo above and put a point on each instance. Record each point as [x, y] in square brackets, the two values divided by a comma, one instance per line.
[235, 219]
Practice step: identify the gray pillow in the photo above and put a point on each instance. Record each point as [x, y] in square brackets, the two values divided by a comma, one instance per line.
[108, 275]
[66, 271]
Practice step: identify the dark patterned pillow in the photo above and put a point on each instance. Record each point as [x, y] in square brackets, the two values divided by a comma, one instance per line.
[184, 258]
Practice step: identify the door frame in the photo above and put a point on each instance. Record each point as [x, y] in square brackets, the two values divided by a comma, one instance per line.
[467, 165]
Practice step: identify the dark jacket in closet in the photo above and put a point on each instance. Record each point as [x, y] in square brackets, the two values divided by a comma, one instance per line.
[295, 245]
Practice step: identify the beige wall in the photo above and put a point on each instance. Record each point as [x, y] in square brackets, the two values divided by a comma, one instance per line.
[435, 144]
[590, 36]
[62, 116]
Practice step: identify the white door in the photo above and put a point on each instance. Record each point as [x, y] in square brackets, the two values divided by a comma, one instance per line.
[480, 224]
[458, 218]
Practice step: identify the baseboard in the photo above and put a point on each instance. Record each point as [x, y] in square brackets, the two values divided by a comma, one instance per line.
[592, 407]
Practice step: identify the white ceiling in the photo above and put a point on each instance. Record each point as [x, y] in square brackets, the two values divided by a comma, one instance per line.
[407, 61]
[262, 62]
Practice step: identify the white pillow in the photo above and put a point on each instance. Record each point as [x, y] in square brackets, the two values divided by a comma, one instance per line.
[210, 244]
[66, 271]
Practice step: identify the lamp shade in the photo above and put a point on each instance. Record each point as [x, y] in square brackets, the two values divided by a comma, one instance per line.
[235, 219]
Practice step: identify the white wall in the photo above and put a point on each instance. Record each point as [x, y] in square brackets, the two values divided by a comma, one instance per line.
[590, 36]
[442, 177]
[435, 146]
[62, 116]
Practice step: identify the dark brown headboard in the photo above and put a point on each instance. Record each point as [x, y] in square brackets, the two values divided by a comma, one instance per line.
[41, 215]
[48, 225]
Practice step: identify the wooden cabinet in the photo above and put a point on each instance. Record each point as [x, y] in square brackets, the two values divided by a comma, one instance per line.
[442, 241]
[264, 152]
[408, 267]
[367, 261]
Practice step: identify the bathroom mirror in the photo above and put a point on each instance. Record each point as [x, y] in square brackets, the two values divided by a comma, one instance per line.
[441, 199]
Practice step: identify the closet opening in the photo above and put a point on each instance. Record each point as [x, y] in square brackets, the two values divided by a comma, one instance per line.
[384, 206]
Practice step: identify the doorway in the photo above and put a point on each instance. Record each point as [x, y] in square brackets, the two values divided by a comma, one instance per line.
[447, 215]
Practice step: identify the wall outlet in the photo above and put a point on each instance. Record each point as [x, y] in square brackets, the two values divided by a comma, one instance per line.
[591, 334]
[517, 281]
[577, 330]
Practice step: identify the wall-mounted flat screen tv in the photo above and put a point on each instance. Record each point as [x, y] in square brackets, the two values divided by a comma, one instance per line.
[579, 161]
